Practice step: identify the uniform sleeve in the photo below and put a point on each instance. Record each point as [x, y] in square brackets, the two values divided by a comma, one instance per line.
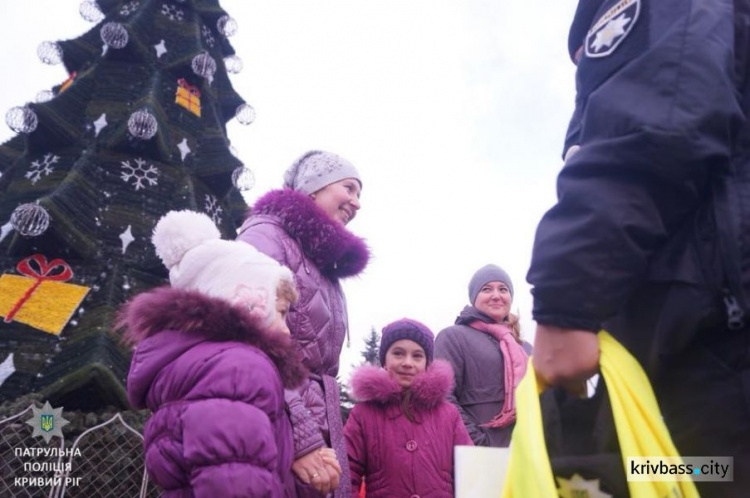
[449, 349]
[653, 119]
[356, 450]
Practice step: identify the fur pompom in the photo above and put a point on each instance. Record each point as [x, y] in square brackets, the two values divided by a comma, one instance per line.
[179, 231]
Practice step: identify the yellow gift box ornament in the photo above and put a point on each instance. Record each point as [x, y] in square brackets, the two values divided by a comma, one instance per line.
[41, 298]
[188, 96]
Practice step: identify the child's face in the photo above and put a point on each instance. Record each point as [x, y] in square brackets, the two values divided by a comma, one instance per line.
[282, 310]
[404, 360]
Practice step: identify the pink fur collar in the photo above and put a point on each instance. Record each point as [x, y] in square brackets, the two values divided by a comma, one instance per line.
[429, 389]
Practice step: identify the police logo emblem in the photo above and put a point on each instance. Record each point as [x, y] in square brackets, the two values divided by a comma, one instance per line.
[612, 28]
[47, 422]
[577, 486]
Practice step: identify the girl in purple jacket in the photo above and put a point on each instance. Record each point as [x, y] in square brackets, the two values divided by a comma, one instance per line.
[303, 226]
[213, 357]
[400, 436]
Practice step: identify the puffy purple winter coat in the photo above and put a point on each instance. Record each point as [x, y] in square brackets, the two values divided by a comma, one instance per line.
[288, 226]
[215, 383]
[397, 457]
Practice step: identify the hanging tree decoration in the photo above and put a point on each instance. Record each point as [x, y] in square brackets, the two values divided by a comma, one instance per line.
[233, 64]
[204, 65]
[114, 35]
[245, 114]
[142, 124]
[30, 220]
[90, 11]
[21, 119]
[44, 96]
[226, 26]
[243, 178]
[49, 53]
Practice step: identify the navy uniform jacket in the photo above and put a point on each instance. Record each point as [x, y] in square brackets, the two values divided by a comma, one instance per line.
[651, 230]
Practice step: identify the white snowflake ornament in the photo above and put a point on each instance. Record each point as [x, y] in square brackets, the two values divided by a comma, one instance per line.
[172, 12]
[41, 168]
[141, 174]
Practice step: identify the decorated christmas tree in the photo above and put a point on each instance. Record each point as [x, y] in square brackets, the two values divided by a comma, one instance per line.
[137, 129]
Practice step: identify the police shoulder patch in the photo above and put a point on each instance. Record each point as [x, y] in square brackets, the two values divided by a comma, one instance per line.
[612, 28]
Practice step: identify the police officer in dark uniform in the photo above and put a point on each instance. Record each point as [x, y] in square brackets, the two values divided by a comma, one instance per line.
[650, 237]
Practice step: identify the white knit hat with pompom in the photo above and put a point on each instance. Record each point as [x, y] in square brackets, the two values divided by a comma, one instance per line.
[190, 246]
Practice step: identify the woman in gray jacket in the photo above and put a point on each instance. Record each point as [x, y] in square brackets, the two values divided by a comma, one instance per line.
[488, 358]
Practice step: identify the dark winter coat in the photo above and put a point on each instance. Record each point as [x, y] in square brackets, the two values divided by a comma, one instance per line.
[288, 226]
[651, 218]
[397, 457]
[479, 369]
[214, 381]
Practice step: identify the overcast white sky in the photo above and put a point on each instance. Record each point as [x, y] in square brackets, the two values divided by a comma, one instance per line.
[454, 112]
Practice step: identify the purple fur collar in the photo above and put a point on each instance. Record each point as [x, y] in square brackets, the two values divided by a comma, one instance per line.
[198, 315]
[334, 250]
[429, 389]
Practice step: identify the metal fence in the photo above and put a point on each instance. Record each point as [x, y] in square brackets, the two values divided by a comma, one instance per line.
[104, 461]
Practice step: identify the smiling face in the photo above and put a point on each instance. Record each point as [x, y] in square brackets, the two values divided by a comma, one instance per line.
[339, 200]
[494, 300]
[404, 360]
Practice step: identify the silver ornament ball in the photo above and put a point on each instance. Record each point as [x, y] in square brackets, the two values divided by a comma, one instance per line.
[50, 53]
[204, 65]
[44, 96]
[245, 114]
[227, 26]
[142, 124]
[21, 119]
[233, 64]
[90, 11]
[243, 178]
[30, 220]
[114, 35]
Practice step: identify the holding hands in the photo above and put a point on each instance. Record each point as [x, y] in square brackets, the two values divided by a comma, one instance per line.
[320, 469]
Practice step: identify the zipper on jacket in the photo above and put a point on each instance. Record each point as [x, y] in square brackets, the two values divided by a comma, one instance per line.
[735, 315]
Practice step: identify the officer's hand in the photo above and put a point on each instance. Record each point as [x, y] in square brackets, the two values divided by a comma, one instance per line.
[565, 357]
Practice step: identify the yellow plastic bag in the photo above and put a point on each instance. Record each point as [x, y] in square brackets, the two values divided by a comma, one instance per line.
[641, 431]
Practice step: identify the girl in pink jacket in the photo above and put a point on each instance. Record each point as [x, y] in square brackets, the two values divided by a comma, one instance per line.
[400, 436]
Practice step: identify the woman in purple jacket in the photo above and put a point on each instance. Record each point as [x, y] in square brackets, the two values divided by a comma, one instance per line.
[401, 434]
[213, 356]
[303, 227]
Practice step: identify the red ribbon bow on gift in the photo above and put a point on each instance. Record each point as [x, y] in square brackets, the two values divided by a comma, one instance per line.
[40, 271]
